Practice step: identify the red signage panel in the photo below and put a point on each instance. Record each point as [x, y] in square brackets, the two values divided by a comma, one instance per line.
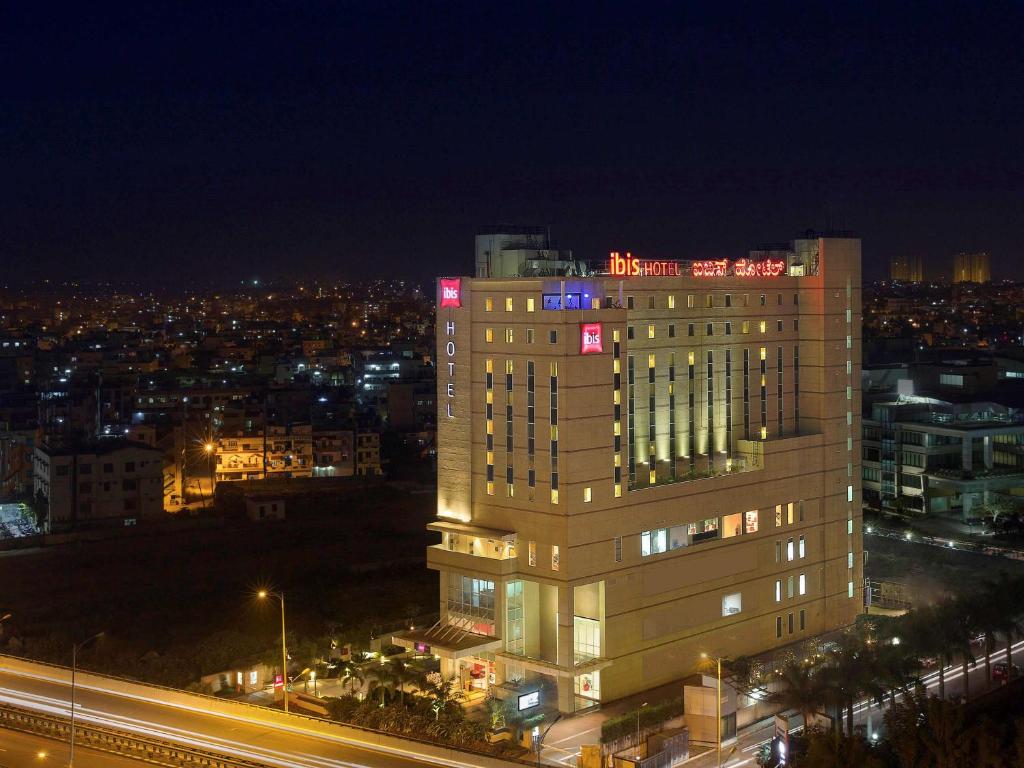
[451, 292]
[590, 338]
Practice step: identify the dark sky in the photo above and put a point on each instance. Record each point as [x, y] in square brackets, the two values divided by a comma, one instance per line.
[226, 140]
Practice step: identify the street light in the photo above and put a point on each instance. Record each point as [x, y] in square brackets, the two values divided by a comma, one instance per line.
[638, 711]
[718, 702]
[263, 595]
[74, 668]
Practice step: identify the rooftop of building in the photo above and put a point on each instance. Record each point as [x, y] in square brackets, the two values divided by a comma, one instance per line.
[102, 447]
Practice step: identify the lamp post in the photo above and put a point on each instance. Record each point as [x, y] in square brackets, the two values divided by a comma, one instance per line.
[264, 594]
[213, 470]
[638, 711]
[718, 703]
[75, 648]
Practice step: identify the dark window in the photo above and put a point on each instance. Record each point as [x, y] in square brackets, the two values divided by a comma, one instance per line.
[130, 485]
[708, 330]
[629, 331]
[85, 469]
[689, 330]
[671, 331]
[650, 303]
[778, 626]
[629, 302]
[553, 337]
[728, 299]
[129, 466]
[108, 468]
[62, 470]
[85, 487]
[762, 299]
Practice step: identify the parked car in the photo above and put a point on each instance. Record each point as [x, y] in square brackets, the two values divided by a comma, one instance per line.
[1003, 671]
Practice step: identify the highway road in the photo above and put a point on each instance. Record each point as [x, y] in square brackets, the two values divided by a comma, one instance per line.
[25, 750]
[245, 736]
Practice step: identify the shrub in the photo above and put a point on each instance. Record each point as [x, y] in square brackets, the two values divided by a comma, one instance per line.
[616, 728]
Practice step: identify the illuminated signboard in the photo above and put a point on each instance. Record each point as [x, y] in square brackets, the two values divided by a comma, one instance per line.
[590, 338]
[422, 648]
[630, 266]
[740, 268]
[528, 700]
[451, 292]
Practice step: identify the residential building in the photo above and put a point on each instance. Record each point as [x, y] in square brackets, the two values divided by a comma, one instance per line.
[368, 454]
[972, 268]
[906, 269]
[638, 467]
[110, 481]
[287, 451]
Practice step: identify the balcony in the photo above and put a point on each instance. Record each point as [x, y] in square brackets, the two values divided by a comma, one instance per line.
[472, 548]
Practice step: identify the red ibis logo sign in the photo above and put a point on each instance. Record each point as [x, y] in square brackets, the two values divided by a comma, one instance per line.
[590, 338]
[630, 266]
[451, 292]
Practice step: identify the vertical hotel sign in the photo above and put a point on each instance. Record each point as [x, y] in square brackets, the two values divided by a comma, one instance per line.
[451, 297]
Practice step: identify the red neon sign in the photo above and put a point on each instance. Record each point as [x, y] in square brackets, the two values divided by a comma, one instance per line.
[630, 266]
[741, 268]
[451, 292]
[590, 338]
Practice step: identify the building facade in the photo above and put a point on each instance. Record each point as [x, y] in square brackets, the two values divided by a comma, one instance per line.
[644, 465]
[972, 268]
[106, 483]
[906, 269]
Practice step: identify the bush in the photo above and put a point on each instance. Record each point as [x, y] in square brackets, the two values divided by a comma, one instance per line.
[616, 728]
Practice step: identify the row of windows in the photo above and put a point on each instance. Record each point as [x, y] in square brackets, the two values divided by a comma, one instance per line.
[531, 549]
[789, 623]
[795, 586]
[670, 301]
[795, 549]
[709, 328]
[86, 469]
[510, 336]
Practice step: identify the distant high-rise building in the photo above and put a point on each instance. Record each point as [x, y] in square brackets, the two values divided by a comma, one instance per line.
[972, 268]
[906, 269]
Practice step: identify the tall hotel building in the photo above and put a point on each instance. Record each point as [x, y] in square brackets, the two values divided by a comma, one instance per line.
[642, 465]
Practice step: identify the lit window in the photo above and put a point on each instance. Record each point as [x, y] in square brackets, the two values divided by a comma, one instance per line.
[650, 331]
[529, 304]
[849, 493]
[849, 589]
[490, 487]
[595, 303]
[778, 515]
[689, 301]
[789, 587]
[529, 335]
[751, 521]
[652, 476]
[764, 353]
[616, 335]
[488, 304]
[709, 301]
[789, 513]
[746, 326]
[732, 525]
[508, 336]
[489, 335]
[763, 326]
[587, 496]
[651, 361]
[554, 495]
[533, 552]
[849, 559]
[732, 604]
[802, 548]
[671, 302]
[778, 590]
[554, 557]
[508, 303]
[764, 433]
[618, 490]
[849, 527]
[790, 550]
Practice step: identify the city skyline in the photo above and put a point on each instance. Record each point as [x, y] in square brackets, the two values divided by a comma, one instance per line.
[377, 142]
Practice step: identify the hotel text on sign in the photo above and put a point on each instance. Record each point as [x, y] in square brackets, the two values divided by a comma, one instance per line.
[590, 338]
[740, 268]
[630, 266]
[451, 292]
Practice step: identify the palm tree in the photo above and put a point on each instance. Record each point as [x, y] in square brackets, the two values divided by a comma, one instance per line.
[960, 629]
[800, 689]
[1007, 610]
[848, 673]
[384, 678]
[401, 674]
[987, 609]
[351, 674]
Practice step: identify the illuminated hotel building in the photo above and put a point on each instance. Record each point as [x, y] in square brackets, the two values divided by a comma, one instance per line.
[634, 468]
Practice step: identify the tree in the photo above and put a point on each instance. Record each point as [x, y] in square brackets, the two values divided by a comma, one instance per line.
[960, 626]
[384, 678]
[444, 694]
[352, 674]
[401, 675]
[834, 750]
[800, 689]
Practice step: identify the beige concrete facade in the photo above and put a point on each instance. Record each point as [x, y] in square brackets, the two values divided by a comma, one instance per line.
[628, 541]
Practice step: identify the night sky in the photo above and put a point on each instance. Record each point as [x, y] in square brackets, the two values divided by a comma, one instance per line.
[221, 141]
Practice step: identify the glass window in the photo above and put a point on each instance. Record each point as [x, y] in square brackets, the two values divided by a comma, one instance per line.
[789, 513]
[533, 552]
[587, 495]
[803, 584]
[732, 604]
[555, 559]
[488, 335]
[529, 304]
[803, 549]
[789, 550]
[732, 525]
[488, 304]
[778, 590]
[508, 303]
[751, 521]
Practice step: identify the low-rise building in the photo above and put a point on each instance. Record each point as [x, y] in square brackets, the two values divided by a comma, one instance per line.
[99, 483]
